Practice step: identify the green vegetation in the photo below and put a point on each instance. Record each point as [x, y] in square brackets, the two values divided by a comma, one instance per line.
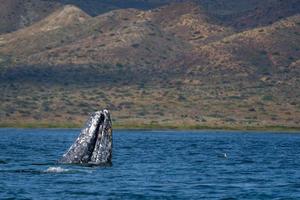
[267, 98]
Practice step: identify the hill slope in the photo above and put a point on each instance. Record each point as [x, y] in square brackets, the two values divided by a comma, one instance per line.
[16, 14]
[174, 66]
[238, 14]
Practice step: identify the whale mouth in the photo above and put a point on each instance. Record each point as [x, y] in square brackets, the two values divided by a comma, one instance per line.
[94, 144]
[102, 118]
[101, 153]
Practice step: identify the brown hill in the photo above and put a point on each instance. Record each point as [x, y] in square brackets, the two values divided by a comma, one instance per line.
[188, 22]
[40, 35]
[17, 14]
[175, 66]
[247, 14]
[258, 13]
[271, 46]
[130, 37]
[238, 14]
[118, 36]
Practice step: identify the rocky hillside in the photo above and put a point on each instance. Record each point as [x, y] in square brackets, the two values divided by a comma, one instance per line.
[245, 14]
[16, 14]
[239, 14]
[175, 65]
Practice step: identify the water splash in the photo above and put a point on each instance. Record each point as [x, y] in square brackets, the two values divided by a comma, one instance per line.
[56, 170]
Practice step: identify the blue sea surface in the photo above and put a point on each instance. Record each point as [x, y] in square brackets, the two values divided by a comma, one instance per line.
[153, 165]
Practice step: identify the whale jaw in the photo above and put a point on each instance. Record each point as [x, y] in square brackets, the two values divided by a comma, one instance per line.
[94, 144]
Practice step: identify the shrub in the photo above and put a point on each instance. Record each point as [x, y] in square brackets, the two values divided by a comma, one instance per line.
[135, 45]
[267, 98]
[119, 65]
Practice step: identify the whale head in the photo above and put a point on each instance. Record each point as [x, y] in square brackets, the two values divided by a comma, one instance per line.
[94, 143]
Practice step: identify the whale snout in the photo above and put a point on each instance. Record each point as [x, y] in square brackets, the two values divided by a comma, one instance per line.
[94, 144]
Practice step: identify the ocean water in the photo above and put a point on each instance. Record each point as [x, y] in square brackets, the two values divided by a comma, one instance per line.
[153, 165]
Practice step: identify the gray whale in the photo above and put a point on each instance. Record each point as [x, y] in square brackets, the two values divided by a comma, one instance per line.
[94, 144]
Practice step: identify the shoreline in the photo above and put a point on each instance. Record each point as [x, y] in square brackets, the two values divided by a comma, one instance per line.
[151, 127]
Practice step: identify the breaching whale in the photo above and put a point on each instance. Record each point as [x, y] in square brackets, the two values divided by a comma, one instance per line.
[94, 144]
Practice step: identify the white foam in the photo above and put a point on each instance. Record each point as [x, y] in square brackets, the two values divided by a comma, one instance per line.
[225, 155]
[56, 170]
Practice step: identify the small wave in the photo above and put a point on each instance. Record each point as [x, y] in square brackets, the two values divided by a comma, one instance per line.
[56, 170]
[43, 164]
[3, 162]
[223, 155]
[25, 171]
